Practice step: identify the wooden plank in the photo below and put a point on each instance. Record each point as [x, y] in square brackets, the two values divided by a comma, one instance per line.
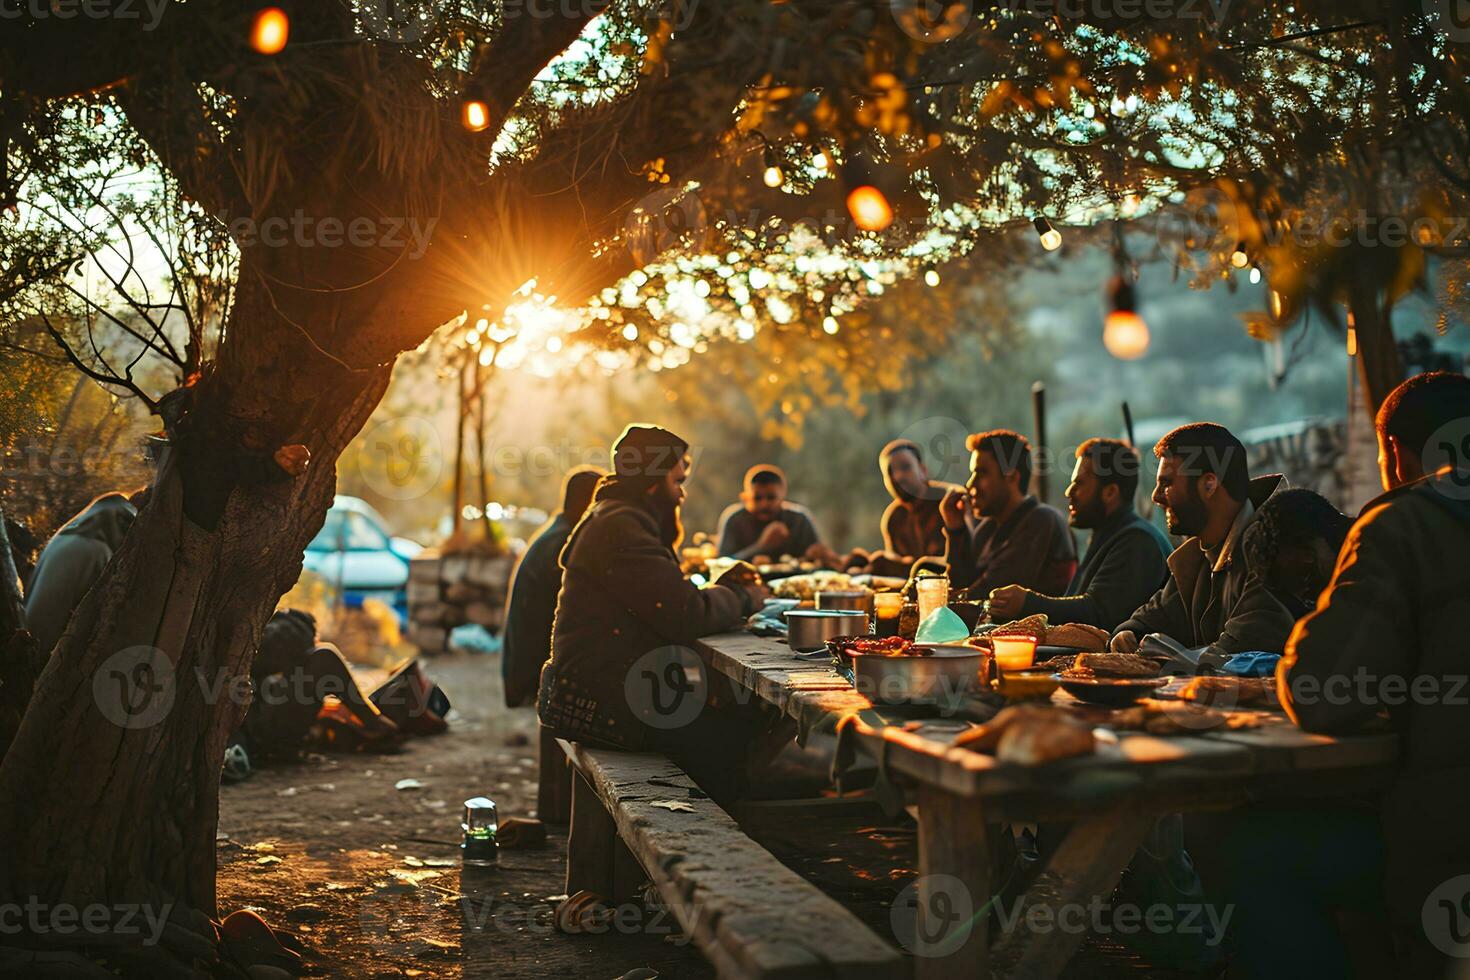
[953, 889]
[554, 781]
[1087, 865]
[590, 842]
[1280, 745]
[749, 914]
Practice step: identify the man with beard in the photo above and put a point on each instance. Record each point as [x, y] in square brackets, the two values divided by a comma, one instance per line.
[620, 674]
[1018, 540]
[1125, 560]
[1213, 599]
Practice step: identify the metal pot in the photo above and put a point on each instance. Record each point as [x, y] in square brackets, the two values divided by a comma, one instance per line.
[948, 673]
[855, 600]
[810, 629]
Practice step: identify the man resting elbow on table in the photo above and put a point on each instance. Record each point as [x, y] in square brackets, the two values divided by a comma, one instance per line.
[1018, 540]
[620, 673]
[1125, 561]
[1213, 598]
[764, 523]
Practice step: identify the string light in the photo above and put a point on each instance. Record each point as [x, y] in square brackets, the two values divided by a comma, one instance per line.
[1125, 335]
[830, 324]
[931, 277]
[1051, 239]
[773, 176]
[269, 30]
[1255, 273]
[475, 115]
[1239, 258]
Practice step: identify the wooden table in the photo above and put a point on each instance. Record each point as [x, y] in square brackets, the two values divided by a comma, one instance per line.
[1111, 798]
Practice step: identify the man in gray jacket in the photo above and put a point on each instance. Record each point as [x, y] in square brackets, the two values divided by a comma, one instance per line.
[1213, 598]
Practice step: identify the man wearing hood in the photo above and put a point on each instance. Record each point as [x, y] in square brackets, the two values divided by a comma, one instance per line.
[621, 673]
[1213, 598]
[1388, 639]
[72, 562]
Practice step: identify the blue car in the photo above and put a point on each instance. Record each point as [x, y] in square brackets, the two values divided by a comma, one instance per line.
[355, 554]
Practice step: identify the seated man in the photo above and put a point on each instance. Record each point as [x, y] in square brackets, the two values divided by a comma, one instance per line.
[765, 523]
[619, 673]
[531, 600]
[1295, 539]
[1125, 561]
[1018, 540]
[1214, 598]
[912, 526]
[1388, 635]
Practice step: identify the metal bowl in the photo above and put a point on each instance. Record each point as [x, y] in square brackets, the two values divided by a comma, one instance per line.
[941, 675]
[810, 629]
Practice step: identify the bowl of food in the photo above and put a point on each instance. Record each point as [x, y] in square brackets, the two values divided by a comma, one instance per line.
[916, 674]
[1111, 678]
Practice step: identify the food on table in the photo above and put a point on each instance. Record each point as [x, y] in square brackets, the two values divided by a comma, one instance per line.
[1110, 665]
[1030, 735]
[1229, 692]
[1163, 718]
[887, 646]
[1055, 664]
[1033, 626]
[1078, 635]
[806, 587]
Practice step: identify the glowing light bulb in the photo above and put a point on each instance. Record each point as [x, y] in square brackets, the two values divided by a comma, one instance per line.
[830, 324]
[630, 332]
[475, 115]
[1051, 239]
[1255, 274]
[269, 30]
[869, 208]
[821, 161]
[773, 176]
[1125, 335]
[1239, 258]
[931, 277]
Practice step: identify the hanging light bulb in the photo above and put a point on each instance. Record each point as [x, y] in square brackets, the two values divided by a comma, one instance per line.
[1240, 258]
[1125, 335]
[1051, 239]
[1255, 273]
[773, 176]
[1278, 304]
[869, 208]
[475, 115]
[830, 324]
[931, 277]
[269, 30]
[822, 161]
[1352, 336]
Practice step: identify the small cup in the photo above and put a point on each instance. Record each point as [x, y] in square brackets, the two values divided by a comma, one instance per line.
[1014, 652]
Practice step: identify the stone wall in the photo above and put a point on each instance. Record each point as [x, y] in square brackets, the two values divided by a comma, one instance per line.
[445, 591]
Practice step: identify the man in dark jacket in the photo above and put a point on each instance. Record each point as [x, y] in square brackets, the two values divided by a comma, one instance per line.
[530, 606]
[72, 562]
[1018, 540]
[620, 673]
[1388, 637]
[1213, 599]
[764, 523]
[1125, 560]
[912, 526]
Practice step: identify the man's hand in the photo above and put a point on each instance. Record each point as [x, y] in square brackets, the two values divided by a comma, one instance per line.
[1006, 603]
[1124, 642]
[824, 556]
[739, 574]
[952, 509]
[773, 536]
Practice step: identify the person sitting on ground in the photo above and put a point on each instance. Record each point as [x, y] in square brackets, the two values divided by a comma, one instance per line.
[73, 560]
[1295, 539]
[1126, 556]
[619, 674]
[1388, 635]
[912, 526]
[292, 675]
[1018, 540]
[531, 602]
[765, 524]
[1214, 598]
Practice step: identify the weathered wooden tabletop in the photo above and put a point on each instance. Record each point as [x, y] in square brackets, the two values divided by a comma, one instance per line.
[1112, 796]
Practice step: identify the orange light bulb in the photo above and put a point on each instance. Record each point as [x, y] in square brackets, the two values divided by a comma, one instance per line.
[475, 116]
[269, 30]
[1125, 335]
[869, 208]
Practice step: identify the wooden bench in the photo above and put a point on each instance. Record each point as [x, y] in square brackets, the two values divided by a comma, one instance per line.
[748, 913]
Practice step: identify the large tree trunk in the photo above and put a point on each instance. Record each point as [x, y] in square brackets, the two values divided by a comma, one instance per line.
[109, 793]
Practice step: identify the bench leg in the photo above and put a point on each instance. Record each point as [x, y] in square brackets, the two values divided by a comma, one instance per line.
[554, 786]
[952, 845]
[590, 841]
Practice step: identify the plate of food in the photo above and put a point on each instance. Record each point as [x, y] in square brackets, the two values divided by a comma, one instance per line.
[1111, 678]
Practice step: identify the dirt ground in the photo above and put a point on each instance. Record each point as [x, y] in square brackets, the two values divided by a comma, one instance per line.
[369, 876]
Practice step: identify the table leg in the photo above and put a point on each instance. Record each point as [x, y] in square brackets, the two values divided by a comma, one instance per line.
[1087, 865]
[954, 877]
